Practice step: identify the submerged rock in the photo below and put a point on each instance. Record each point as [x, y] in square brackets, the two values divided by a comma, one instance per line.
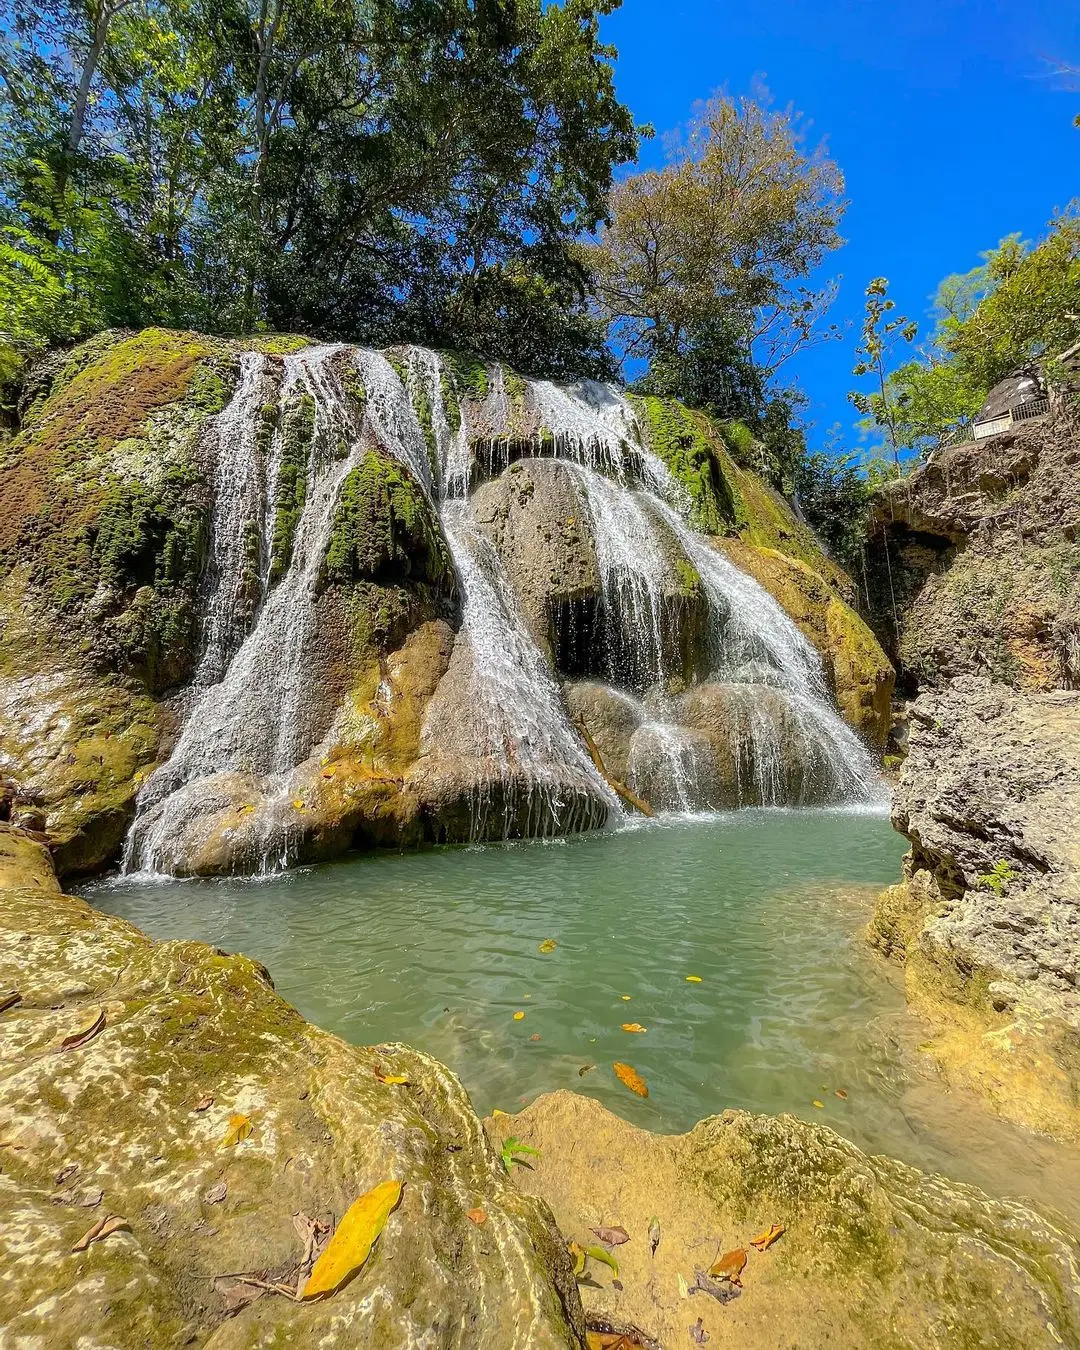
[873, 1253]
[987, 920]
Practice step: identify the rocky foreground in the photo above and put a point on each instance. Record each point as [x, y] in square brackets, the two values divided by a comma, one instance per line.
[168, 1086]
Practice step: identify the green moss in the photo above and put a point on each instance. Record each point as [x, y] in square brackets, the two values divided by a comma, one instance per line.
[685, 442]
[469, 376]
[277, 344]
[297, 429]
[451, 405]
[688, 579]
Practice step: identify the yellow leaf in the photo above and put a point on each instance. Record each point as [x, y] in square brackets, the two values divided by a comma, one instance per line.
[768, 1237]
[391, 1078]
[495, 1112]
[353, 1240]
[631, 1078]
[239, 1129]
[820, 1105]
[693, 979]
[684, 1288]
[633, 1026]
[518, 1016]
[625, 998]
[729, 1266]
[298, 804]
[548, 945]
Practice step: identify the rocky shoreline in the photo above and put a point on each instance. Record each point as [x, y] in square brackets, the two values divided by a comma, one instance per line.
[137, 1119]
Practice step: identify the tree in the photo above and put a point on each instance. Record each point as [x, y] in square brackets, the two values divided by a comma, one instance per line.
[703, 266]
[881, 335]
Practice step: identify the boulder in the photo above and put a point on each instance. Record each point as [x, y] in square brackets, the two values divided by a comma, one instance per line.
[987, 920]
[872, 1253]
[136, 1122]
[609, 716]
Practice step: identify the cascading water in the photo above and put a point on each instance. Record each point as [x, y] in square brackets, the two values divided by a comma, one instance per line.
[251, 712]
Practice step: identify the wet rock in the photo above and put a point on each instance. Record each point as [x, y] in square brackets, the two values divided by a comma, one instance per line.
[611, 718]
[988, 918]
[183, 1021]
[874, 1252]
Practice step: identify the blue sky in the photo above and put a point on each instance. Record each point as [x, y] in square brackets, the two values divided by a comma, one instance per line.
[944, 115]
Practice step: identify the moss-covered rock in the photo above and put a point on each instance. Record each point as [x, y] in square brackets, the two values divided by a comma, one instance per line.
[874, 1253]
[132, 1123]
[859, 673]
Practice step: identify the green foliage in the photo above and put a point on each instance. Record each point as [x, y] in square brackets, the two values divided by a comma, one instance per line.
[514, 1151]
[298, 427]
[833, 496]
[998, 878]
[881, 335]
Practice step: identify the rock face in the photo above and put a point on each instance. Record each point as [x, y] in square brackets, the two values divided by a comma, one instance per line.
[874, 1253]
[988, 918]
[974, 561]
[120, 1126]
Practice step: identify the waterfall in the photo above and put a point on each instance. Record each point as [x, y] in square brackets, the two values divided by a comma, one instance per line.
[257, 708]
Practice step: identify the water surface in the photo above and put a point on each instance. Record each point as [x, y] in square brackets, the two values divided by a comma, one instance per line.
[441, 948]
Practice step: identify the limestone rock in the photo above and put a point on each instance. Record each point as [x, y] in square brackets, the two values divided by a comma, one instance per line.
[119, 1126]
[989, 918]
[858, 671]
[875, 1253]
[610, 717]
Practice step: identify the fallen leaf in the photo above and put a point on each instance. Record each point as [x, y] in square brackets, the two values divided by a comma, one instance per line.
[654, 1234]
[298, 804]
[535, 1036]
[721, 1290]
[693, 979]
[605, 1257]
[729, 1266]
[85, 1033]
[237, 1296]
[820, 1105]
[577, 1251]
[239, 1129]
[65, 1174]
[518, 1015]
[548, 945]
[353, 1239]
[495, 1113]
[585, 1068]
[684, 1288]
[625, 998]
[478, 1216]
[394, 1079]
[633, 1026]
[698, 1334]
[108, 1223]
[614, 1236]
[203, 1104]
[10, 1000]
[216, 1194]
[631, 1079]
[766, 1239]
[841, 1094]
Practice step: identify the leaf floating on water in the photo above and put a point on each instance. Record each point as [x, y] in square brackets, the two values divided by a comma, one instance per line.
[631, 1078]
[625, 998]
[693, 979]
[108, 1223]
[535, 1036]
[478, 1216]
[203, 1104]
[634, 1026]
[820, 1105]
[721, 1290]
[729, 1266]
[585, 1068]
[604, 1256]
[841, 1094]
[353, 1240]
[239, 1129]
[654, 1234]
[614, 1236]
[698, 1334]
[548, 945]
[87, 1032]
[766, 1239]
[518, 1015]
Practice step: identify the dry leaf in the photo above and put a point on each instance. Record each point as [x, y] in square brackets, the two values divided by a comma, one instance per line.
[298, 804]
[729, 1266]
[65, 1174]
[585, 1068]
[625, 998]
[614, 1236]
[495, 1113]
[85, 1033]
[108, 1223]
[216, 1194]
[577, 1251]
[698, 1334]
[693, 979]
[518, 1016]
[654, 1234]
[239, 1295]
[548, 945]
[684, 1288]
[633, 1026]
[239, 1129]
[766, 1239]
[535, 1036]
[392, 1078]
[721, 1290]
[10, 1000]
[203, 1104]
[820, 1105]
[353, 1239]
[841, 1094]
[478, 1216]
[631, 1079]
